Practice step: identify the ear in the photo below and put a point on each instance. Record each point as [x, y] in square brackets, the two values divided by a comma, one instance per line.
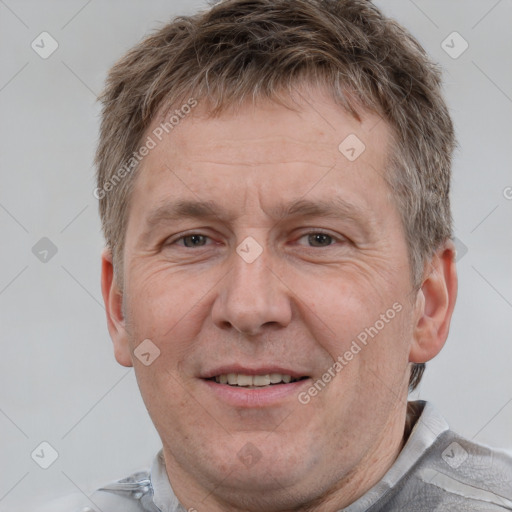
[113, 298]
[435, 302]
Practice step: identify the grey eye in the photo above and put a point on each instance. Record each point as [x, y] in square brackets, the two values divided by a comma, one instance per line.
[319, 239]
[194, 240]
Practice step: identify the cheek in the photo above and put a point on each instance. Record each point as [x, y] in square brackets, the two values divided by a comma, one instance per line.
[170, 309]
[340, 307]
[169, 405]
[365, 325]
[161, 300]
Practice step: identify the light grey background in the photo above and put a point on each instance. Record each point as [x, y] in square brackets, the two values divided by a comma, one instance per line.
[59, 380]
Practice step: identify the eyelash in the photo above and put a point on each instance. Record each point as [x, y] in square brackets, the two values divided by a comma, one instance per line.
[309, 233]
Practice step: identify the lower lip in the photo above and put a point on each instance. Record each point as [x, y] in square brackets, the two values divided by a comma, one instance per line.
[263, 397]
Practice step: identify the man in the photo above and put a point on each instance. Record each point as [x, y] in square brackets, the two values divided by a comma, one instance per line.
[273, 178]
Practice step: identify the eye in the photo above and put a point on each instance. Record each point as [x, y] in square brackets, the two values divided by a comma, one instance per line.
[318, 239]
[192, 240]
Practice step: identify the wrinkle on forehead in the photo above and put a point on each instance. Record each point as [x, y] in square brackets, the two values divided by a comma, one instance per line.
[257, 159]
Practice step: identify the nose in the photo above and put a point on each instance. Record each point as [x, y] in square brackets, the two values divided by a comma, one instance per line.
[252, 297]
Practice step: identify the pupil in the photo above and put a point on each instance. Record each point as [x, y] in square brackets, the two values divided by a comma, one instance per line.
[319, 239]
[194, 240]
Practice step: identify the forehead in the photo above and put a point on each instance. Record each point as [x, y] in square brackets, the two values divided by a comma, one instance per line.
[314, 122]
[268, 150]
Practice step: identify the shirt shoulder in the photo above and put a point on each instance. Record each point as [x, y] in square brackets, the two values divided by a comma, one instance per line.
[440, 471]
[455, 474]
[464, 470]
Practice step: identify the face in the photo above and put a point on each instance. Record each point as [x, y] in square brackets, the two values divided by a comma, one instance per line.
[271, 273]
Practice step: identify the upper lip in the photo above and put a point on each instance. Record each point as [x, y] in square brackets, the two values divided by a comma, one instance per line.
[245, 370]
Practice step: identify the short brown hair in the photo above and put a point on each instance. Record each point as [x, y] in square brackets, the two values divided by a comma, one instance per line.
[240, 50]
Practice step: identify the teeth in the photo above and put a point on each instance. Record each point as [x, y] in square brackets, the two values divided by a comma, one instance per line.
[275, 378]
[239, 379]
[245, 380]
[260, 380]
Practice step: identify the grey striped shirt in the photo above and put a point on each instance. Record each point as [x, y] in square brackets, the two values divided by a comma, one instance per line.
[437, 471]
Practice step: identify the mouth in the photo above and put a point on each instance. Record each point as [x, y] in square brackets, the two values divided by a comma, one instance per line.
[258, 381]
[244, 387]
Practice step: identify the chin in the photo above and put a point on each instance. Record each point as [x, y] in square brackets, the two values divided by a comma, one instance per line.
[260, 467]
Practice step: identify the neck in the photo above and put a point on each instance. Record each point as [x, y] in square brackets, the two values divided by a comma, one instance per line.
[369, 471]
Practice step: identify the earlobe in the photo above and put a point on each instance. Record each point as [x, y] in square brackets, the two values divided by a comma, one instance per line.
[113, 299]
[434, 305]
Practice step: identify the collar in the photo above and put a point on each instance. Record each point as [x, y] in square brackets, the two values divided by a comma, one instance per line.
[163, 495]
[428, 427]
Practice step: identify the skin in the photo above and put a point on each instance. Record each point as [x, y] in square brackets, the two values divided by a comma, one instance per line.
[299, 305]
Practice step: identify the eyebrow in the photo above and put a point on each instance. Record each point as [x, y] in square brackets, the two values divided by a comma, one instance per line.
[208, 210]
[333, 207]
[173, 211]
